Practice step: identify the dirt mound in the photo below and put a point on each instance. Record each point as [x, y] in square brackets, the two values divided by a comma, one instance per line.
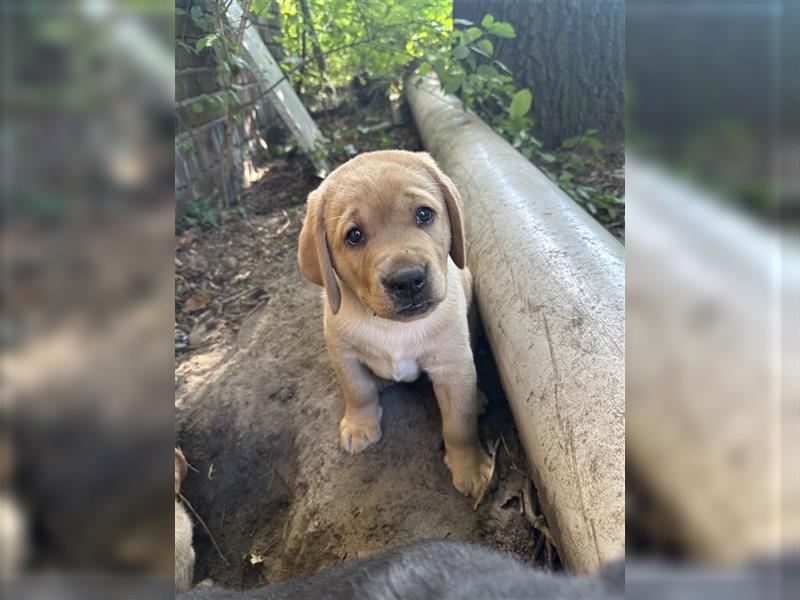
[257, 417]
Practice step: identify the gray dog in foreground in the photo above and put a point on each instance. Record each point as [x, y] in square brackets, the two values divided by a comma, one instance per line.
[457, 571]
[433, 571]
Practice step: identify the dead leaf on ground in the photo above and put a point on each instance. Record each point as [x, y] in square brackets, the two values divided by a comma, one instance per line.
[197, 302]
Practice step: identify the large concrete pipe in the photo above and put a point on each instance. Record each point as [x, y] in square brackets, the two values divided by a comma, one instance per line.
[713, 355]
[549, 282]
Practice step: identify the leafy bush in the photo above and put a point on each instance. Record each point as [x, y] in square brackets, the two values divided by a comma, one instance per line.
[334, 46]
[199, 212]
[358, 39]
[465, 67]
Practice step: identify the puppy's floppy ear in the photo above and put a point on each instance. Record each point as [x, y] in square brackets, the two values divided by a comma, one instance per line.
[313, 254]
[453, 203]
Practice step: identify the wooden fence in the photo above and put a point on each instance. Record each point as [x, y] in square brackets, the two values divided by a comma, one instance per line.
[200, 131]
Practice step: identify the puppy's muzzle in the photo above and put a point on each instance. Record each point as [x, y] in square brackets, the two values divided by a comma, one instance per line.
[408, 290]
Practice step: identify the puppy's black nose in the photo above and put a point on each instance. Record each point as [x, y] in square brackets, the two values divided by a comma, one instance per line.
[407, 282]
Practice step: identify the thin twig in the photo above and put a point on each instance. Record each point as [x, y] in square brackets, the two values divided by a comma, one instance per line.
[538, 522]
[285, 226]
[188, 464]
[240, 295]
[208, 531]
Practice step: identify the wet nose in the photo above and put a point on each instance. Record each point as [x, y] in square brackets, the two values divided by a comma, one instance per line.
[407, 282]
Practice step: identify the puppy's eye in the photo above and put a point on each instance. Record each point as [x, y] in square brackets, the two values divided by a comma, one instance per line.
[354, 236]
[424, 215]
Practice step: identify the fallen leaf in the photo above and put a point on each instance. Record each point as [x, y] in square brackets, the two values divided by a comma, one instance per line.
[197, 302]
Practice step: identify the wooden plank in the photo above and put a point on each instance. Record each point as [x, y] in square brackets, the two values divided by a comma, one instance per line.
[282, 96]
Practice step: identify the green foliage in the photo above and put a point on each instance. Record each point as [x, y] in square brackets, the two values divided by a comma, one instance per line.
[366, 39]
[520, 104]
[358, 38]
[581, 159]
[220, 39]
[587, 140]
[465, 67]
[199, 212]
[333, 45]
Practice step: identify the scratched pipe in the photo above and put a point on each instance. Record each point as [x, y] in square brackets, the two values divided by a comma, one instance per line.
[549, 283]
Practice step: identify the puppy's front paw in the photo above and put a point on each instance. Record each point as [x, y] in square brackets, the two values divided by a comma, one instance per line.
[472, 471]
[358, 431]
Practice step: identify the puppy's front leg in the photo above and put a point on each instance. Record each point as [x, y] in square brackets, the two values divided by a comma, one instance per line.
[361, 424]
[455, 389]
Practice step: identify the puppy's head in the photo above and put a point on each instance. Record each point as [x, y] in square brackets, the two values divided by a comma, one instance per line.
[384, 223]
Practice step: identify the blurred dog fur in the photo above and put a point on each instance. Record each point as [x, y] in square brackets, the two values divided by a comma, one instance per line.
[436, 570]
[433, 571]
[384, 237]
[184, 551]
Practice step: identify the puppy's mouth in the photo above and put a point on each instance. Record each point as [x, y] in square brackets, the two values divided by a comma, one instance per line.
[414, 309]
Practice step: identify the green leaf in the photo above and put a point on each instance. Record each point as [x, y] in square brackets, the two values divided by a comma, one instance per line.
[576, 161]
[486, 46]
[452, 85]
[241, 62]
[477, 50]
[461, 52]
[474, 33]
[487, 22]
[424, 69]
[472, 63]
[520, 104]
[503, 30]
[516, 124]
[197, 107]
[487, 71]
[570, 142]
[547, 157]
[205, 41]
[502, 67]
[594, 143]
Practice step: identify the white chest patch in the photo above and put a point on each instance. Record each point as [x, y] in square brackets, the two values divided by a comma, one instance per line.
[406, 370]
[400, 370]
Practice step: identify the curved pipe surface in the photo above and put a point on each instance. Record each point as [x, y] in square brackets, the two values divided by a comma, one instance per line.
[549, 283]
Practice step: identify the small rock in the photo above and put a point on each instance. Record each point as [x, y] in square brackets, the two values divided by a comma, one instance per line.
[230, 262]
[197, 262]
[198, 335]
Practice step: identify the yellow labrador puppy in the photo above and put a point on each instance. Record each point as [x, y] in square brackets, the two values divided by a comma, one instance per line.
[384, 236]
